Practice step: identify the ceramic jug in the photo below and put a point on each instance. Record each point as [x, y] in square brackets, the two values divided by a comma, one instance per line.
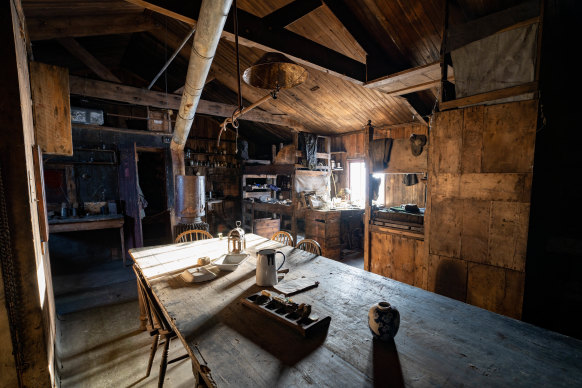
[267, 267]
[384, 321]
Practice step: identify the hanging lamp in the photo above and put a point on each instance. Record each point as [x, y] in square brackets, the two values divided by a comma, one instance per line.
[273, 71]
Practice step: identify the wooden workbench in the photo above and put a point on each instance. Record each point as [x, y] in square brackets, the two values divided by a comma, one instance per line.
[113, 221]
[441, 342]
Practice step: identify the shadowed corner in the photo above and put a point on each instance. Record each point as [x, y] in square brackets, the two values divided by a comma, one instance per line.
[387, 370]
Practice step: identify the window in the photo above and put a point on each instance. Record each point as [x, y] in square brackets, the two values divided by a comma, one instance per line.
[357, 171]
[381, 201]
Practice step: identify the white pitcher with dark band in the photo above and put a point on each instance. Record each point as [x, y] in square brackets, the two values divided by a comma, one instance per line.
[267, 267]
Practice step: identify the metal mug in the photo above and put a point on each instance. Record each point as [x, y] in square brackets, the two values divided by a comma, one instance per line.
[266, 267]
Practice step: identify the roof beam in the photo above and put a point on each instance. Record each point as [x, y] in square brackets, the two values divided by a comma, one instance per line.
[132, 95]
[79, 26]
[88, 59]
[378, 63]
[254, 33]
[461, 35]
[290, 13]
[411, 80]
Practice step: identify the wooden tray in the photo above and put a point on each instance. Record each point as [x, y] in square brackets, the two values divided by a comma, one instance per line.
[305, 326]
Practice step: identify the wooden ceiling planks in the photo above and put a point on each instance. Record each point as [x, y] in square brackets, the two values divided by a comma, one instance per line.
[323, 27]
[261, 8]
[413, 32]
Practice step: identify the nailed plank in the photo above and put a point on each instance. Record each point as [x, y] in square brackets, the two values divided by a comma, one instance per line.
[411, 80]
[446, 227]
[461, 35]
[52, 110]
[92, 25]
[496, 187]
[513, 91]
[88, 59]
[403, 161]
[495, 289]
[508, 235]
[115, 92]
[447, 141]
[472, 139]
[475, 236]
[509, 137]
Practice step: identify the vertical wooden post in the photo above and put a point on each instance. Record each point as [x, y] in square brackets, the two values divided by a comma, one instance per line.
[368, 137]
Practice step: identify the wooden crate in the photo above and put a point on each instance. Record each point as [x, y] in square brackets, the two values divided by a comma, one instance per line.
[159, 121]
[324, 227]
[266, 227]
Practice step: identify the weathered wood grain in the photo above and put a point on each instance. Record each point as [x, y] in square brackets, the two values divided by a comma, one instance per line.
[446, 227]
[472, 139]
[475, 235]
[52, 110]
[447, 276]
[496, 289]
[440, 342]
[509, 137]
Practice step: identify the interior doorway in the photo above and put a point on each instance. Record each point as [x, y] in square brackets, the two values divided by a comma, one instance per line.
[152, 196]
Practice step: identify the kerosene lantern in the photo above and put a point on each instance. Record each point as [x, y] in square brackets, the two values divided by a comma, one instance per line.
[237, 242]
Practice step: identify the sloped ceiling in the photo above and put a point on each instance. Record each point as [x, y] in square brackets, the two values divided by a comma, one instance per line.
[384, 37]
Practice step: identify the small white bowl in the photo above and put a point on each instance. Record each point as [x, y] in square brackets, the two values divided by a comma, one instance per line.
[231, 261]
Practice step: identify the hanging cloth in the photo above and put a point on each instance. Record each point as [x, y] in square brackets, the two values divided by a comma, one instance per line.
[380, 153]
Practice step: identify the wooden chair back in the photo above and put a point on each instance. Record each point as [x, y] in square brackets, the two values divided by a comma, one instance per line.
[156, 321]
[310, 246]
[283, 237]
[193, 235]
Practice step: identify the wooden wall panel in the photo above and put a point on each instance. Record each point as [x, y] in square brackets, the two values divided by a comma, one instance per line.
[492, 182]
[447, 133]
[509, 137]
[52, 109]
[496, 187]
[475, 231]
[399, 258]
[472, 139]
[508, 236]
[496, 289]
[403, 161]
[447, 277]
[446, 227]
[396, 193]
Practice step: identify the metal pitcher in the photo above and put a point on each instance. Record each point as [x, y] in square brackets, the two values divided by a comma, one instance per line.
[267, 267]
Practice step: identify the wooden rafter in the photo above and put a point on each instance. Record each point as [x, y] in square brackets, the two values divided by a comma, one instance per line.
[254, 33]
[522, 14]
[94, 25]
[132, 95]
[290, 12]
[88, 59]
[378, 63]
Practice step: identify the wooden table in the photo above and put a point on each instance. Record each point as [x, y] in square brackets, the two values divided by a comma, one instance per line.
[441, 342]
[113, 221]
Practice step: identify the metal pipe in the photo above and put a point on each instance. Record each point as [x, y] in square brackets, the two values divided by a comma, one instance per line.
[172, 58]
[213, 14]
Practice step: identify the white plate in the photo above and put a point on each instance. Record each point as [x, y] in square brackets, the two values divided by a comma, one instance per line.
[231, 261]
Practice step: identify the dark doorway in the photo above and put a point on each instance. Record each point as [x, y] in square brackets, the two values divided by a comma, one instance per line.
[156, 225]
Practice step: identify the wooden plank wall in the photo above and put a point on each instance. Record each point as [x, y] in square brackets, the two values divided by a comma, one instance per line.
[480, 174]
[52, 108]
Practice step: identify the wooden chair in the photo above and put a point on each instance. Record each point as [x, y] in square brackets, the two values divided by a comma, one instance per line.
[193, 235]
[158, 326]
[309, 245]
[283, 237]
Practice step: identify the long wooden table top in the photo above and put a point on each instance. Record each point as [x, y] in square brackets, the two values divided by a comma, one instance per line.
[441, 341]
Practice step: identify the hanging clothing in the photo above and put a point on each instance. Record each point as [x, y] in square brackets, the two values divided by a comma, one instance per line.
[380, 154]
